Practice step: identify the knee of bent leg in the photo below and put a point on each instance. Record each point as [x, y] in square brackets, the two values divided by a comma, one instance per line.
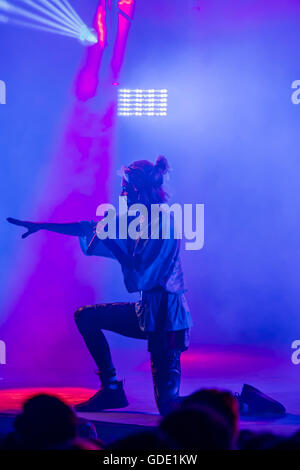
[82, 316]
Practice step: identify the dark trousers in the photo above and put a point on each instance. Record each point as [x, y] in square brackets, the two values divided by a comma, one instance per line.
[121, 318]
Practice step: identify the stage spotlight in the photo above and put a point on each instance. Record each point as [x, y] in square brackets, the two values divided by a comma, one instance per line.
[87, 36]
[140, 102]
[55, 16]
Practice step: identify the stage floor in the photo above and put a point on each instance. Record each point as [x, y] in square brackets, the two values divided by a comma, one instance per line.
[272, 372]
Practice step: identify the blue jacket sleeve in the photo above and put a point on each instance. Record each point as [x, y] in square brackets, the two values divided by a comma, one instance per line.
[89, 230]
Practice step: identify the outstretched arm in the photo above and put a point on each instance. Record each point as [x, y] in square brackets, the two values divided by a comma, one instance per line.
[74, 229]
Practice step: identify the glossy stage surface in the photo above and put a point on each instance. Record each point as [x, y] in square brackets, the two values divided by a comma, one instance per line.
[270, 371]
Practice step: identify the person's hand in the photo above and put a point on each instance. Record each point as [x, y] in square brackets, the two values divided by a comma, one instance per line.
[32, 227]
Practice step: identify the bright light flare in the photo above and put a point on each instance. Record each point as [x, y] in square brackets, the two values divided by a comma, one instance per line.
[87, 36]
[101, 25]
[138, 102]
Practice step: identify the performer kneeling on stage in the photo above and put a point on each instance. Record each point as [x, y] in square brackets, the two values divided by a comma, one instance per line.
[150, 266]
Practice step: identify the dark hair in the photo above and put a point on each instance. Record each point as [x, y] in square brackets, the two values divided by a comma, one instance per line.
[46, 421]
[198, 428]
[221, 401]
[146, 180]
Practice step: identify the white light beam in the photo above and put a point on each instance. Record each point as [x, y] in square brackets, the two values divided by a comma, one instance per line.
[51, 15]
[68, 12]
[68, 5]
[40, 27]
[53, 12]
[31, 16]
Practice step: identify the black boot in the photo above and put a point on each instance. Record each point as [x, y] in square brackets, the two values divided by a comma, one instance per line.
[253, 402]
[109, 397]
[166, 373]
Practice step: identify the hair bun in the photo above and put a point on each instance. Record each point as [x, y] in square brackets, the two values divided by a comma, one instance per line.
[161, 165]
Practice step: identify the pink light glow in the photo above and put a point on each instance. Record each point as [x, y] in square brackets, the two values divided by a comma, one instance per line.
[43, 315]
[127, 6]
[101, 25]
[120, 42]
[87, 81]
[41, 321]
[13, 399]
[125, 2]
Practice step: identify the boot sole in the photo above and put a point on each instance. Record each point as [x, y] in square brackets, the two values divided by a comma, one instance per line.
[98, 410]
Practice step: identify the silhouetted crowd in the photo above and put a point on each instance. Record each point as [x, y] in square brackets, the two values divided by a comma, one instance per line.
[206, 420]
